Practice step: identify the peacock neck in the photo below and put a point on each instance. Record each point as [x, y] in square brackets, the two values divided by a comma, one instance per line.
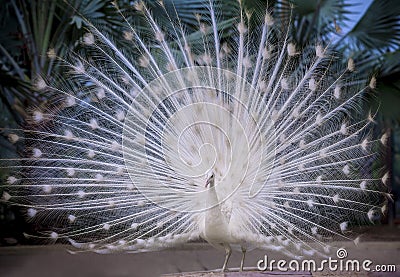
[215, 225]
[212, 198]
[213, 213]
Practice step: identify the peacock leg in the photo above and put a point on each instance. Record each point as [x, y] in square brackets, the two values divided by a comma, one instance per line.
[243, 256]
[228, 252]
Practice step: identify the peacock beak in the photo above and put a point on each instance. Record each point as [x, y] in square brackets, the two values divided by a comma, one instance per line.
[210, 180]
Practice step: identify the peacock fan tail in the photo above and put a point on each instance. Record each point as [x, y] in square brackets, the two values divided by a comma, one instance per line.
[155, 139]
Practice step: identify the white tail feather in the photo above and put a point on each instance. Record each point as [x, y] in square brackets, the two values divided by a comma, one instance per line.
[122, 163]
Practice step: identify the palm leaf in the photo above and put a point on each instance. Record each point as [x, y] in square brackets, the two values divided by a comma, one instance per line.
[379, 28]
[312, 19]
[391, 64]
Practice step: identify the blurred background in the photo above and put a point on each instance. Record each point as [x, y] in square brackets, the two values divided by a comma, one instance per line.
[33, 32]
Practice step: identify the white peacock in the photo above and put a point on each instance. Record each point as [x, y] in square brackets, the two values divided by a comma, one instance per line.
[246, 143]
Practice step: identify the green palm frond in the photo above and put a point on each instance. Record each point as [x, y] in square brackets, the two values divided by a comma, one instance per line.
[190, 11]
[88, 10]
[391, 64]
[378, 29]
[313, 19]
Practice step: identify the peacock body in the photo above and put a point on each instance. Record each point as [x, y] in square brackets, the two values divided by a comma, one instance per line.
[155, 140]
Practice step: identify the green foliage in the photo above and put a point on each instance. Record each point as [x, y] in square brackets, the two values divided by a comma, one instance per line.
[88, 10]
[373, 42]
[33, 32]
[312, 20]
[379, 28]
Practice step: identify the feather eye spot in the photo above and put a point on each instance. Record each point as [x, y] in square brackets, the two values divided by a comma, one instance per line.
[37, 116]
[47, 189]
[81, 194]
[13, 138]
[11, 180]
[70, 172]
[88, 39]
[36, 153]
[31, 212]
[71, 218]
[6, 196]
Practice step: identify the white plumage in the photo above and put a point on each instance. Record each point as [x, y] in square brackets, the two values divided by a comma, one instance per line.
[159, 139]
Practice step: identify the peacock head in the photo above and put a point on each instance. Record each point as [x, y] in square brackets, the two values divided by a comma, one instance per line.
[210, 181]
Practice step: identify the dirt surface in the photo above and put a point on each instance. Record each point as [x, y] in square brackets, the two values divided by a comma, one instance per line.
[382, 247]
